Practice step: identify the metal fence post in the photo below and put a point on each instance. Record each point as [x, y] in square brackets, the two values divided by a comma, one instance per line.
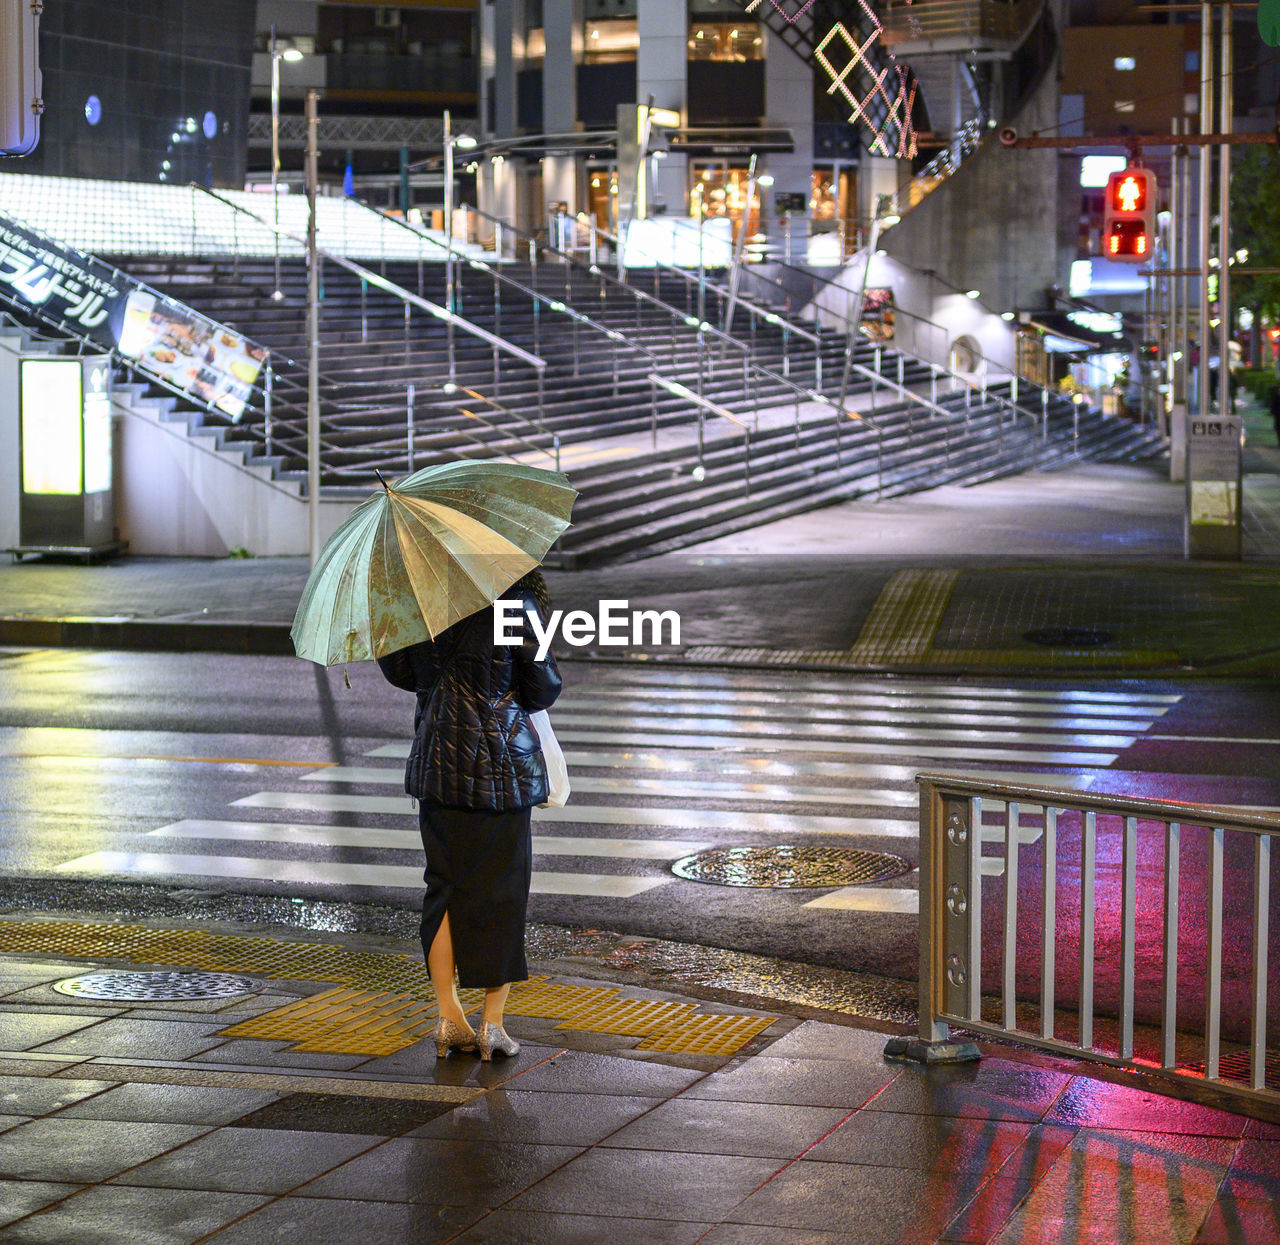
[408, 419]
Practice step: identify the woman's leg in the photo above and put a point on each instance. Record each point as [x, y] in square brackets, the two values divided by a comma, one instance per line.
[494, 1001]
[440, 967]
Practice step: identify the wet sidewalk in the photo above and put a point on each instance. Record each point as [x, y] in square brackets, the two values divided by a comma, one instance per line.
[310, 1103]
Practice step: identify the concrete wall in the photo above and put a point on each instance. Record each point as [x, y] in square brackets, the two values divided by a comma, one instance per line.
[662, 71]
[929, 317]
[178, 496]
[997, 224]
[788, 101]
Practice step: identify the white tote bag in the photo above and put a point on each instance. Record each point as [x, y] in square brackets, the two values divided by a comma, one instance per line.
[557, 771]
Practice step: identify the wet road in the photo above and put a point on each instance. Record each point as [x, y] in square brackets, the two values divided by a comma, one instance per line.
[268, 775]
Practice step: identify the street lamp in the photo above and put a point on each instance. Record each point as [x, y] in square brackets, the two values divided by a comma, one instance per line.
[292, 55]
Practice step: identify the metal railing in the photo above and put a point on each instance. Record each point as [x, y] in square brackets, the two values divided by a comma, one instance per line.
[450, 318]
[1086, 852]
[976, 24]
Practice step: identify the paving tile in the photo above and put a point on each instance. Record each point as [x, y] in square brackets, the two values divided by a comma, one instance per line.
[1240, 1221]
[545, 1116]
[933, 1143]
[461, 1068]
[1101, 1104]
[709, 1126]
[293, 1219]
[994, 1088]
[815, 1040]
[345, 1113]
[580, 1072]
[647, 1184]
[864, 1205]
[248, 1160]
[248, 1052]
[752, 1234]
[988, 1212]
[1255, 1169]
[1038, 1152]
[115, 1215]
[12, 1121]
[1134, 1187]
[170, 1104]
[138, 1039]
[797, 1082]
[38, 1095]
[455, 1173]
[513, 1227]
[23, 1030]
[86, 1151]
[23, 1197]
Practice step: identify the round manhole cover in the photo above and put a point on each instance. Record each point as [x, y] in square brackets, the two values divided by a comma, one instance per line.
[789, 866]
[158, 986]
[1069, 637]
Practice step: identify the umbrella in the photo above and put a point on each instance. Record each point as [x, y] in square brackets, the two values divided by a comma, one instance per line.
[421, 554]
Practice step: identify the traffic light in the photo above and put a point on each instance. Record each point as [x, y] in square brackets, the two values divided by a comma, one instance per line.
[1128, 222]
[20, 102]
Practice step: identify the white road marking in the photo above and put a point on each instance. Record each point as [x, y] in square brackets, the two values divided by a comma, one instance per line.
[868, 899]
[623, 727]
[716, 766]
[409, 840]
[588, 814]
[393, 877]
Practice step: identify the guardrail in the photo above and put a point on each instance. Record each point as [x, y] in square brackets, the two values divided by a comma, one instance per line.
[977, 24]
[1086, 902]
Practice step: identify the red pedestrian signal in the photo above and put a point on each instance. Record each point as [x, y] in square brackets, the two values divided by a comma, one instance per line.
[1129, 217]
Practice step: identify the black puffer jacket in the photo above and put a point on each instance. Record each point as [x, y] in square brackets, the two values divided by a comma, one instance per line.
[473, 746]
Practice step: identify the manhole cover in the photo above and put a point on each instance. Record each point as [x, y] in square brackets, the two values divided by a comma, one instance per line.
[1069, 637]
[158, 986]
[789, 866]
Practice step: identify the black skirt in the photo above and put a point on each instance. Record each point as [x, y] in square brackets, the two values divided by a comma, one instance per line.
[478, 868]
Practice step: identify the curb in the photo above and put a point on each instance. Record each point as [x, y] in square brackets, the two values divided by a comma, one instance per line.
[247, 638]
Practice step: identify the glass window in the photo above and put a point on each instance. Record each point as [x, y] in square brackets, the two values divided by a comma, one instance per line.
[613, 40]
[725, 40]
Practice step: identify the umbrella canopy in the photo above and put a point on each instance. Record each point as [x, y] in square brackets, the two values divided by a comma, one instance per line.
[421, 554]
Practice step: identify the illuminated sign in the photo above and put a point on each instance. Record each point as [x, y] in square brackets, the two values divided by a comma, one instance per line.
[52, 406]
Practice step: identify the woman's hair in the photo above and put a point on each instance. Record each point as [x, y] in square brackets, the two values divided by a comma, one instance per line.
[536, 587]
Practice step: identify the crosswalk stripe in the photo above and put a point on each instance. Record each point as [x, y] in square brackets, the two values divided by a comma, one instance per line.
[590, 784]
[712, 767]
[621, 726]
[410, 840]
[868, 899]
[672, 818]
[804, 712]
[393, 877]
[794, 684]
[850, 747]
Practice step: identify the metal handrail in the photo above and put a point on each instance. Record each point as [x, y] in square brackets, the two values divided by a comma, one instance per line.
[764, 313]
[951, 928]
[390, 287]
[701, 327]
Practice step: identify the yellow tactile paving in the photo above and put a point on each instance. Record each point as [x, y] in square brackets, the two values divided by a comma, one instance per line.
[641, 1017]
[381, 1001]
[905, 617]
[709, 1035]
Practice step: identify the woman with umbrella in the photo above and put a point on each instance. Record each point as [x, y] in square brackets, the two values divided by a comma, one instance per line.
[408, 578]
[476, 769]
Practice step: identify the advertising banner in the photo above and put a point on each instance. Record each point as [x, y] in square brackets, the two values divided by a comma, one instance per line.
[192, 353]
